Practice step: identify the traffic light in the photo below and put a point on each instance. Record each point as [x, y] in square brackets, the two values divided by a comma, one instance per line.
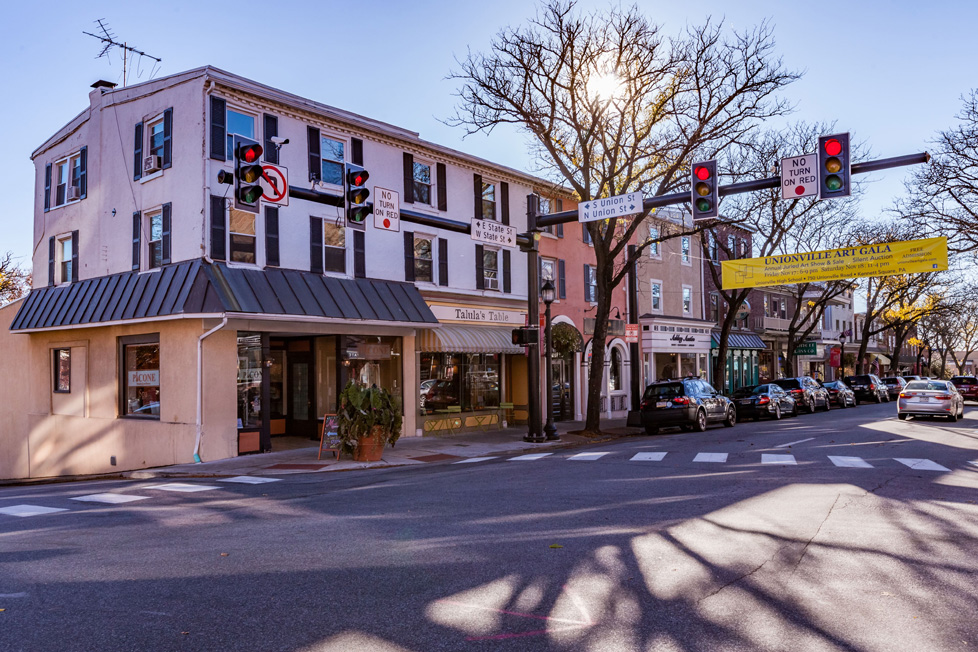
[703, 181]
[526, 336]
[833, 167]
[356, 196]
[247, 174]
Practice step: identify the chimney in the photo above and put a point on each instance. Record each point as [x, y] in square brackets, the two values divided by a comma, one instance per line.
[104, 84]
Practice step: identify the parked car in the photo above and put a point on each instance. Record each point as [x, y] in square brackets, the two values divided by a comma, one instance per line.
[930, 398]
[840, 393]
[689, 403]
[894, 385]
[763, 401]
[868, 387]
[806, 391]
[912, 377]
[967, 387]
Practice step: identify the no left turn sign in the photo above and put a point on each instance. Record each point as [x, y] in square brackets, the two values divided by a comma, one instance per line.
[275, 184]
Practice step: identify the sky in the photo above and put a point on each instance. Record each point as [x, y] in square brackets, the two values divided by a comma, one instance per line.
[891, 73]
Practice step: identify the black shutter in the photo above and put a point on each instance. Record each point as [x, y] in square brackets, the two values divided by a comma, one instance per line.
[136, 231]
[441, 180]
[47, 187]
[74, 257]
[356, 147]
[166, 233]
[359, 254]
[560, 227]
[269, 130]
[137, 153]
[442, 261]
[168, 138]
[506, 283]
[83, 175]
[219, 147]
[561, 283]
[587, 234]
[504, 198]
[409, 256]
[587, 285]
[271, 236]
[408, 178]
[51, 246]
[315, 161]
[480, 275]
[316, 245]
[477, 186]
[218, 228]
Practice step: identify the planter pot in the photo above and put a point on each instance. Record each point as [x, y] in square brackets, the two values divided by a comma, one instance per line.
[371, 447]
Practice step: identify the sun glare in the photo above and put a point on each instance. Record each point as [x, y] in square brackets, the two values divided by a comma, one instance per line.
[605, 86]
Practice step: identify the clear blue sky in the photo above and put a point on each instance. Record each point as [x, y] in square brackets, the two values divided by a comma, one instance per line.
[900, 71]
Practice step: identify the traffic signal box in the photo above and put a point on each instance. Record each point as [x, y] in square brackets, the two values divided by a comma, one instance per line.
[833, 167]
[526, 336]
[703, 184]
[356, 196]
[247, 174]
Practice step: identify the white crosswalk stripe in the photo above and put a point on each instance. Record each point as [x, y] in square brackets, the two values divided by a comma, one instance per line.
[182, 487]
[920, 464]
[852, 462]
[710, 457]
[657, 456]
[767, 458]
[471, 460]
[249, 479]
[529, 458]
[30, 510]
[587, 457]
[109, 498]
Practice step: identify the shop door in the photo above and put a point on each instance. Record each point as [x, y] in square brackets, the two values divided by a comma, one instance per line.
[302, 419]
[563, 390]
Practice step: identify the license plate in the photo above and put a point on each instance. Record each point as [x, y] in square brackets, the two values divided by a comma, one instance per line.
[923, 399]
[745, 401]
[662, 404]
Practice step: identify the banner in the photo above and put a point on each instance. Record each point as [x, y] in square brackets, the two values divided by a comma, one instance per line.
[886, 259]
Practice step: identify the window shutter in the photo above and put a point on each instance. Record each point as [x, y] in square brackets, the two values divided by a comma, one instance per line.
[504, 198]
[507, 287]
[269, 130]
[587, 284]
[480, 275]
[315, 164]
[136, 231]
[83, 175]
[442, 261]
[316, 245]
[47, 187]
[271, 236]
[587, 234]
[51, 245]
[168, 138]
[219, 147]
[409, 256]
[561, 282]
[74, 256]
[477, 186]
[137, 153]
[359, 254]
[356, 145]
[218, 228]
[559, 230]
[560, 205]
[166, 233]
[441, 179]
[408, 178]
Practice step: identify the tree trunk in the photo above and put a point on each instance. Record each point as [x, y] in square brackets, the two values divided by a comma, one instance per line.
[720, 366]
[592, 423]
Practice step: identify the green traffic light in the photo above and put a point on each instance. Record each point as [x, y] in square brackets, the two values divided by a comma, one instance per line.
[833, 182]
[703, 205]
[250, 194]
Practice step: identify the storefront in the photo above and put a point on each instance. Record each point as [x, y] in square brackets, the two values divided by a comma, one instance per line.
[743, 365]
[675, 348]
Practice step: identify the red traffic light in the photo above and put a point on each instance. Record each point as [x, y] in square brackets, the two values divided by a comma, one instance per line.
[357, 177]
[833, 147]
[702, 173]
[249, 153]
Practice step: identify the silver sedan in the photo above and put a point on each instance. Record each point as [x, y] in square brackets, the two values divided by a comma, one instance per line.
[930, 398]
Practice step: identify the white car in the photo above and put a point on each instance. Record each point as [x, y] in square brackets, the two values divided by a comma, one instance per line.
[932, 398]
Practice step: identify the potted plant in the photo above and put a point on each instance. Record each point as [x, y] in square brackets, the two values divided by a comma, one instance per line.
[369, 418]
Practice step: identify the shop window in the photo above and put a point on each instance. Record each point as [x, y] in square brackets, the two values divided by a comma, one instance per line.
[467, 380]
[614, 371]
[140, 377]
[249, 380]
[373, 360]
[242, 237]
[62, 371]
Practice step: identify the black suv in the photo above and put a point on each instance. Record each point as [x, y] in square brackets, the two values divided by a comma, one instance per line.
[868, 387]
[807, 392]
[689, 403]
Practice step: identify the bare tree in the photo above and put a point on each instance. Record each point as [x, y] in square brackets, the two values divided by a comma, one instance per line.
[611, 105]
[960, 325]
[15, 280]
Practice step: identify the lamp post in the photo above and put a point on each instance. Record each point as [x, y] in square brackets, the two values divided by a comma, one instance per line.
[548, 293]
[842, 356]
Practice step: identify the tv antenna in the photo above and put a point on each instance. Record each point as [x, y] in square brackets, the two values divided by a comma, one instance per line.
[129, 53]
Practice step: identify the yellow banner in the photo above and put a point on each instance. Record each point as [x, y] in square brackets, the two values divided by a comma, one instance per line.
[886, 259]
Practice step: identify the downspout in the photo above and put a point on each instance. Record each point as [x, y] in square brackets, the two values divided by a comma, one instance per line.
[200, 383]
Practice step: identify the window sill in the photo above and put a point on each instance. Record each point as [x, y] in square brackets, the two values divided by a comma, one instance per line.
[67, 203]
[150, 177]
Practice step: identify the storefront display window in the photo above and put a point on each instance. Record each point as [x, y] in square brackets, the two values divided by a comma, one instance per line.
[140, 377]
[614, 372]
[373, 360]
[249, 380]
[467, 380]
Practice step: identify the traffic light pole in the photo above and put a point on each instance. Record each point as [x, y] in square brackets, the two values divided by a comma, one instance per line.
[535, 432]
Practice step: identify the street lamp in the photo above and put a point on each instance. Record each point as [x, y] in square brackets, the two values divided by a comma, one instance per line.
[548, 294]
[842, 356]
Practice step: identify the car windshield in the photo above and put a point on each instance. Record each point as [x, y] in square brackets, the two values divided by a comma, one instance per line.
[835, 384]
[860, 380]
[664, 390]
[750, 391]
[788, 383]
[964, 380]
[892, 381]
[927, 385]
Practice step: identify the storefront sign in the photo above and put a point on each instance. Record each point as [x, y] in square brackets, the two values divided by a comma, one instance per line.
[144, 378]
[807, 348]
[666, 337]
[631, 333]
[369, 351]
[616, 327]
[474, 315]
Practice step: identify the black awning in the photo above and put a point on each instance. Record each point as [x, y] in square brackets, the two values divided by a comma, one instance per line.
[740, 341]
[197, 287]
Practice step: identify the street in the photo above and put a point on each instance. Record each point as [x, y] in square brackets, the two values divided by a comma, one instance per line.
[847, 530]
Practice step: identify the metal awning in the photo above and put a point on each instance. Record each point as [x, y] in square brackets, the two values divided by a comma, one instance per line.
[740, 341]
[882, 358]
[466, 339]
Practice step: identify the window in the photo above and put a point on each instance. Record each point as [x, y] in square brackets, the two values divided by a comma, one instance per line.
[490, 269]
[469, 380]
[614, 370]
[767, 306]
[67, 175]
[422, 183]
[687, 300]
[242, 237]
[714, 306]
[154, 132]
[744, 248]
[140, 377]
[62, 371]
[332, 153]
[591, 283]
[654, 246]
[714, 247]
[732, 246]
[548, 270]
[155, 257]
[656, 296]
[64, 258]
[488, 201]
[685, 250]
[545, 207]
[334, 247]
[422, 256]
[238, 123]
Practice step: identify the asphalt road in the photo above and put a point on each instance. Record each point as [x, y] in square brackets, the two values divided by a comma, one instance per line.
[594, 553]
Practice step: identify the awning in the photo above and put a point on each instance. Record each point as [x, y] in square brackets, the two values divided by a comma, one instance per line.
[882, 358]
[740, 341]
[466, 339]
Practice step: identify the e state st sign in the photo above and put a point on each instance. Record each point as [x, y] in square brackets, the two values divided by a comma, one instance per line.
[799, 176]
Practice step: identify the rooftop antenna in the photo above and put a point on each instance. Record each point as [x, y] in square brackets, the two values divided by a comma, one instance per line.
[128, 52]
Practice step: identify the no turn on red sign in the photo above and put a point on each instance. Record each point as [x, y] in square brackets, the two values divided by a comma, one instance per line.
[387, 209]
[799, 176]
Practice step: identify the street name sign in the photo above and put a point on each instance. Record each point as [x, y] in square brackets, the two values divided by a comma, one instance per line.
[799, 176]
[387, 209]
[608, 207]
[494, 233]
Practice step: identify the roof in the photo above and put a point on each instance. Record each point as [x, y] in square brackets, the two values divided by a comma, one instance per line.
[740, 341]
[201, 288]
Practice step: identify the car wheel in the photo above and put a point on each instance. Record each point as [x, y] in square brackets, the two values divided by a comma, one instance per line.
[731, 419]
[952, 418]
[651, 430]
[700, 425]
[777, 412]
[902, 417]
[828, 404]
[811, 406]
[878, 399]
[794, 410]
